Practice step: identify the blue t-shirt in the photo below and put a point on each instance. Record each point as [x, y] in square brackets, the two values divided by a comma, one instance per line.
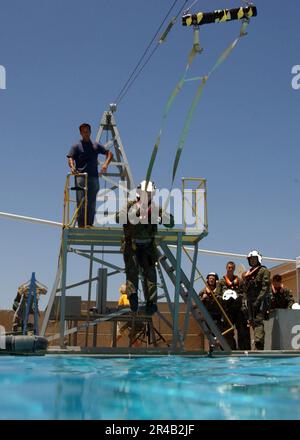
[85, 155]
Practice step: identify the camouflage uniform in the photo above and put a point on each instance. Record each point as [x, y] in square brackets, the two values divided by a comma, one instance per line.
[19, 307]
[216, 314]
[257, 288]
[236, 310]
[139, 248]
[281, 299]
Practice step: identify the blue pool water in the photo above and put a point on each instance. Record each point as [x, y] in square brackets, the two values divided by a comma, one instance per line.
[171, 387]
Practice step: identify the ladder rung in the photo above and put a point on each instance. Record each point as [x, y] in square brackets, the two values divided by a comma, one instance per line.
[77, 188]
[113, 174]
[170, 269]
[115, 163]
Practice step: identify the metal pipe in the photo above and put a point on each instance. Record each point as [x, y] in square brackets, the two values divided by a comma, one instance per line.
[29, 219]
[230, 254]
[177, 289]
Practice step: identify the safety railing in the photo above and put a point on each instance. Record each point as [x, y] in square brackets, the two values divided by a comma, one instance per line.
[69, 220]
[194, 205]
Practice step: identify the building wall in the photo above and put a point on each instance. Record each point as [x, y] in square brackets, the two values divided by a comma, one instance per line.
[288, 273]
[103, 331]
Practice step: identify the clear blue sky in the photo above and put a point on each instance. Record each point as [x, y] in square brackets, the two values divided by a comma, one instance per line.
[67, 60]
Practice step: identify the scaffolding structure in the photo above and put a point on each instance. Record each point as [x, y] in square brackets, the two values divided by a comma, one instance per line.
[176, 284]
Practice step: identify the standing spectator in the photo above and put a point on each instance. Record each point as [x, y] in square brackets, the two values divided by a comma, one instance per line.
[207, 295]
[281, 297]
[230, 289]
[83, 158]
[257, 285]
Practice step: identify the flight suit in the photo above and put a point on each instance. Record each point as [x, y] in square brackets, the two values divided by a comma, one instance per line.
[236, 310]
[139, 247]
[216, 314]
[257, 285]
[281, 299]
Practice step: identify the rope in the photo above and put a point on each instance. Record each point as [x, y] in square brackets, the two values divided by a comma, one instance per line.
[194, 51]
[167, 108]
[198, 96]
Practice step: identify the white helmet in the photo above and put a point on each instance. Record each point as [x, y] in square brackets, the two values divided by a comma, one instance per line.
[228, 294]
[256, 254]
[151, 188]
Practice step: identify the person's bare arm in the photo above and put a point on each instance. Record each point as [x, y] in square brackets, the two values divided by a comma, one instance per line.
[72, 165]
[109, 157]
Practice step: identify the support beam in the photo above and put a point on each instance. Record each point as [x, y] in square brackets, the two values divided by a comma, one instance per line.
[63, 288]
[98, 260]
[177, 289]
[189, 299]
[207, 324]
[89, 296]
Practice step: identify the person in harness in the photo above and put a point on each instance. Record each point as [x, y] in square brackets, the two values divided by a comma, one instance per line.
[140, 218]
[230, 289]
[207, 295]
[257, 286]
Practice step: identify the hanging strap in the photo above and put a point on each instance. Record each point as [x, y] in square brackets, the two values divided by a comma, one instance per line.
[195, 50]
[197, 97]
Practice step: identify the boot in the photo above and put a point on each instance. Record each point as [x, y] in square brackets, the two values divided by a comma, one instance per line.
[134, 302]
[259, 345]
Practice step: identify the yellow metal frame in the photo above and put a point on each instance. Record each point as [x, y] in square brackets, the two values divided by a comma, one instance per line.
[67, 223]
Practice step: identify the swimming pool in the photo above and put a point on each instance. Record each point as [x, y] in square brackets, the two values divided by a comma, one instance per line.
[169, 387]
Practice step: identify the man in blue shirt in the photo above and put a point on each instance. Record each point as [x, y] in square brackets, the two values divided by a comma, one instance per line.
[83, 158]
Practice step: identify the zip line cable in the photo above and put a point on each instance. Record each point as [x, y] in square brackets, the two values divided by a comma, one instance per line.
[136, 73]
[117, 100]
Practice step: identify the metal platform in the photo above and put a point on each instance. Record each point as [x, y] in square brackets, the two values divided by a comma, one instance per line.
[112, 236]
[88, 242]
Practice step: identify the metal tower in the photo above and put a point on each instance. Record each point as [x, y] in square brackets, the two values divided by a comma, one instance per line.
[106, 240]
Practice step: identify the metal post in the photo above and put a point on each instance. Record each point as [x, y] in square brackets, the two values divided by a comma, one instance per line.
[177, 288]
[36, 315]
[101, 295]
[89, 296]
[52, 295]
[63, 287]
[189, 301]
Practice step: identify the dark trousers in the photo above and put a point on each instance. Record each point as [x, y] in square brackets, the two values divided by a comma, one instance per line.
[239, 320]
[243, 331]
[93, 188]
[144, 258]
